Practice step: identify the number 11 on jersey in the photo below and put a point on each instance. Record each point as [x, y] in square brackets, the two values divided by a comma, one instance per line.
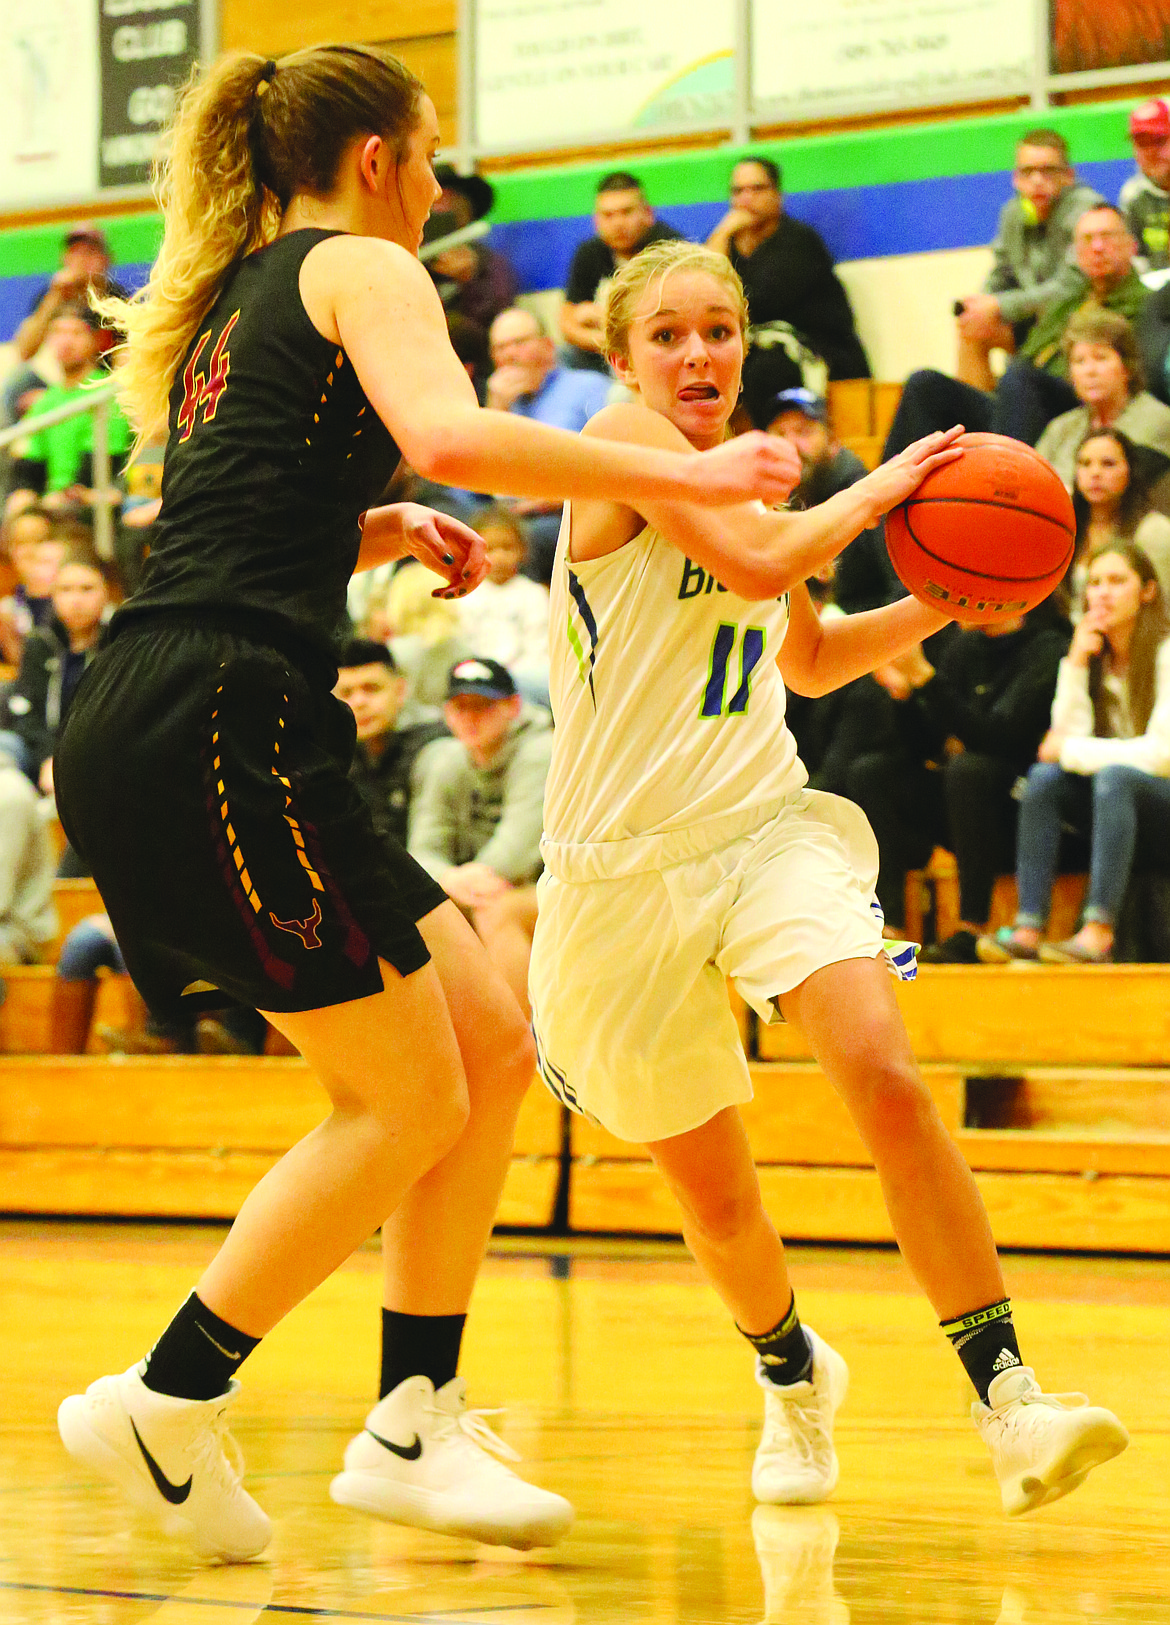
[751, 652]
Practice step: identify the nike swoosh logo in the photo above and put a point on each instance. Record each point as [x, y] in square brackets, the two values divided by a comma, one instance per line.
[176, 1494]
[408, 1452]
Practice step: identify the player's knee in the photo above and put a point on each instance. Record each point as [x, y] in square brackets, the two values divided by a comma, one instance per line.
[897, 1104]
[518, 1056]
[718, 1216]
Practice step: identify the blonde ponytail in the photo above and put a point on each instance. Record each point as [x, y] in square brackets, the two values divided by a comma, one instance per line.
[246, 136]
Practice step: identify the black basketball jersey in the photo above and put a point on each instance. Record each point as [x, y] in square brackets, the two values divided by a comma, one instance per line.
[273, 453]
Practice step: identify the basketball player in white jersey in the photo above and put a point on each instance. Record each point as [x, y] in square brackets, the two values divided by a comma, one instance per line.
[682, 847]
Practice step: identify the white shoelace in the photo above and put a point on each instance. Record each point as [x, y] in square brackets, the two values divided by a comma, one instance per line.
[473, 1428]
[795, 1427]
[217, 1451]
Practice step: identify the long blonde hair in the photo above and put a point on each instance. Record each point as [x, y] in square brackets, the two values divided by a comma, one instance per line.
[246, 136]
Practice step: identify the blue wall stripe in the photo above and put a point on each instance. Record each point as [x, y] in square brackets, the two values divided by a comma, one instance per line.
[863, 222]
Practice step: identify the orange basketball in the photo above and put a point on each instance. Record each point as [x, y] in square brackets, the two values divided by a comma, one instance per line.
[986, 537]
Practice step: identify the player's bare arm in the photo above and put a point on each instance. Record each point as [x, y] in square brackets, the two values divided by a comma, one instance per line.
[754, 553]
[818, 657]
[379, 303]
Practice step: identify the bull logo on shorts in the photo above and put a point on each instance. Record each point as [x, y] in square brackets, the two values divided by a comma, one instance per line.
[305, 929]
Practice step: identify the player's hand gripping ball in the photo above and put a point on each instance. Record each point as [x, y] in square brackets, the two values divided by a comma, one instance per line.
[987, 537]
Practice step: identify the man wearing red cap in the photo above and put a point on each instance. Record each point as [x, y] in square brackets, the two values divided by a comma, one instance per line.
[1145, 197]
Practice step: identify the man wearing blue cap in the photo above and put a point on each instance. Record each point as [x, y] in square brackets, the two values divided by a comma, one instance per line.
[864, 578]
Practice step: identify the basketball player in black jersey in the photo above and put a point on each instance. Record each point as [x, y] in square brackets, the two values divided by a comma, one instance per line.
[290, 343]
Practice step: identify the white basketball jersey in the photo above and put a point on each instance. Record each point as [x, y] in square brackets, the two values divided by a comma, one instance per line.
[670, 735]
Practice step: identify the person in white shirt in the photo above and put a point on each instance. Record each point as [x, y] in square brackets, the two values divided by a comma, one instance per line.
[1104, 765]
[506, 617]
[682, 847]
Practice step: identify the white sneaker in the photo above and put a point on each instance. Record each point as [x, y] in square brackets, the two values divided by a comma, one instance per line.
[172, 1458]
[796, 1462]
[795, 1547]
[1042, 1445]
[425, 1459]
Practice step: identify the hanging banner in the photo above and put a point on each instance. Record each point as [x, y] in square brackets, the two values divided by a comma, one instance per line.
[148, 48]
[1088, 35]
[810, 59]
[552, 72]
[49, 109]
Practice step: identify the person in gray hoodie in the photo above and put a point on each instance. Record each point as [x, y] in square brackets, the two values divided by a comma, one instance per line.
[478, 812]
[1033, 262]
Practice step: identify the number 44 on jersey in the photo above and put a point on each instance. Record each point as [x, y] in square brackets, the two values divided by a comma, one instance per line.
[202, 390]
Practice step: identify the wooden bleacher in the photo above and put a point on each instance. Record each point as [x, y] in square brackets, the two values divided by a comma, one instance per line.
[1055, 1083]
[861, 411]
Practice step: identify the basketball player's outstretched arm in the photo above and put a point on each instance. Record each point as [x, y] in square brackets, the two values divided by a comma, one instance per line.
[380, 305]
[754, 553]
[818, 657]
[402, 530]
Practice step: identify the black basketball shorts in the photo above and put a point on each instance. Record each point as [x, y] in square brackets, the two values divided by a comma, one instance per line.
[203, 779]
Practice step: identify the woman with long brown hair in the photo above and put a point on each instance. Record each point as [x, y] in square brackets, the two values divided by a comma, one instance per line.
[1104, 765]
[290, 344]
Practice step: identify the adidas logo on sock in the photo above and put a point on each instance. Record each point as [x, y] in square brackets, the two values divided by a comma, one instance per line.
[1004, 1360]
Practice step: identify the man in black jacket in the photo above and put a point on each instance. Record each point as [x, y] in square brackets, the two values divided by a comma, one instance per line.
[967, 730]
[786, 269]
[390, 735]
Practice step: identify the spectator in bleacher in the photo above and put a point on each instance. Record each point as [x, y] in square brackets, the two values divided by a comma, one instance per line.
[506, 617]
[527, 380]
[52, 664]
[1145, 197]
[1035, 388]
[84, 270]
[474, 280]
[478, 813]
[34, 547]
[1105, 371]
[964, 733]
[624, 223]
[863, 577]
[391, 732]
[1033, 256]
[28, 919]
[1104, 765]
[786, 270]
[56, 464]
[1111, 501]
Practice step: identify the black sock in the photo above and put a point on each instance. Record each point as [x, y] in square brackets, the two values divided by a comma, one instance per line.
[419, 1346]
[985, 1341]
[785, 1351]
[197, 1355]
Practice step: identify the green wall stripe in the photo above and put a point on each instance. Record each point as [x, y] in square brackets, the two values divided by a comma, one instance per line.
[964, 146]
[36, 250]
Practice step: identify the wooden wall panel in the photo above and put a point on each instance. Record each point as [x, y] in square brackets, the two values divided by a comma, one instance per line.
[422, 34]
[276, 27]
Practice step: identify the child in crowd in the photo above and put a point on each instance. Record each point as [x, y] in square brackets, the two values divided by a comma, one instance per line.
[1111, 500]
[423, 632]
[33, 544]
[1104, 765]
[506, 617]
[52, 663]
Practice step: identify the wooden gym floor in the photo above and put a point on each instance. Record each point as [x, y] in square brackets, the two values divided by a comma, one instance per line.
[627, 1390]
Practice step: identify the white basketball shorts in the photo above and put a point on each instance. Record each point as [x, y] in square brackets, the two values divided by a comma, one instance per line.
[627, 979]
